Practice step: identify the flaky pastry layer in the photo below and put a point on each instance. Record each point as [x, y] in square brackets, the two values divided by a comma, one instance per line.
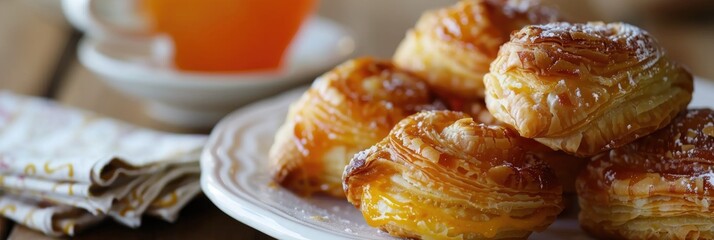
[476, 108]
[658, 187]
[346, 110]
[566, 166]
[585, 88]
[440, 175]
[452, 47]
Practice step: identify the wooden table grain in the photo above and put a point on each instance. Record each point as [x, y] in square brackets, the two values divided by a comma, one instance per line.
[37, 57]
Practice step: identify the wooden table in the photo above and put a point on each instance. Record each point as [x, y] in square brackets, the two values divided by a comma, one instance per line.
[46, 65]
[37, 57]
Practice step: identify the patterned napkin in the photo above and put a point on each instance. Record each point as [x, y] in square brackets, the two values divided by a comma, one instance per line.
[62, 169]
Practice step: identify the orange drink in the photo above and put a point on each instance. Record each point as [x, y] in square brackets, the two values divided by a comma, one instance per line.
[228, 35]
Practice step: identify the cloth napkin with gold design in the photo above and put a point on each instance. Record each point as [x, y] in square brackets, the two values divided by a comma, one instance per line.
[63, 169]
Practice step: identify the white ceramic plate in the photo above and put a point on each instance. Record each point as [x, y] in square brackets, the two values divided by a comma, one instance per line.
[200, 99]
[235, 177]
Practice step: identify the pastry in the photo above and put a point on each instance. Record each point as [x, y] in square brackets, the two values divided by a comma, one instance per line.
[585, 88]
[476, 108]
[452, 47]
[440, 175]
[565, 166]
[658, 187]
[345, 110]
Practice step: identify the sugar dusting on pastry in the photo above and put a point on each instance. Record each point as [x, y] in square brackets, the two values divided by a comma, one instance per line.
[708, 129]
[681, 152]
[647, 188]
[585, 88]
[605, 38]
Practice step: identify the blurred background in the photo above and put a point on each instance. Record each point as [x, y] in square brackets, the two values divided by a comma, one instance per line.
[34, 33]
[38, 45]
[38, 56]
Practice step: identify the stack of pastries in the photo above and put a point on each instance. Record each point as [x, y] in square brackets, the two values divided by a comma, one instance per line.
[485, 117]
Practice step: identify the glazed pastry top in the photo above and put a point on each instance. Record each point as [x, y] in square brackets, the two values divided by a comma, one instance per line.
[585, 88]
[441, 175]
[486, 24]
[681, 153]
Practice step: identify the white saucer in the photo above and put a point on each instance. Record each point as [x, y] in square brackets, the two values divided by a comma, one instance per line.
[196, 99]
[235, 176]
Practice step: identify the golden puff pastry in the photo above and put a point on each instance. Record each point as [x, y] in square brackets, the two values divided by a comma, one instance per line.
[452, 47]
[440, 175]
[346, 110]
[565, 166]
[476, 108]
[658, 187]
[585, 88]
